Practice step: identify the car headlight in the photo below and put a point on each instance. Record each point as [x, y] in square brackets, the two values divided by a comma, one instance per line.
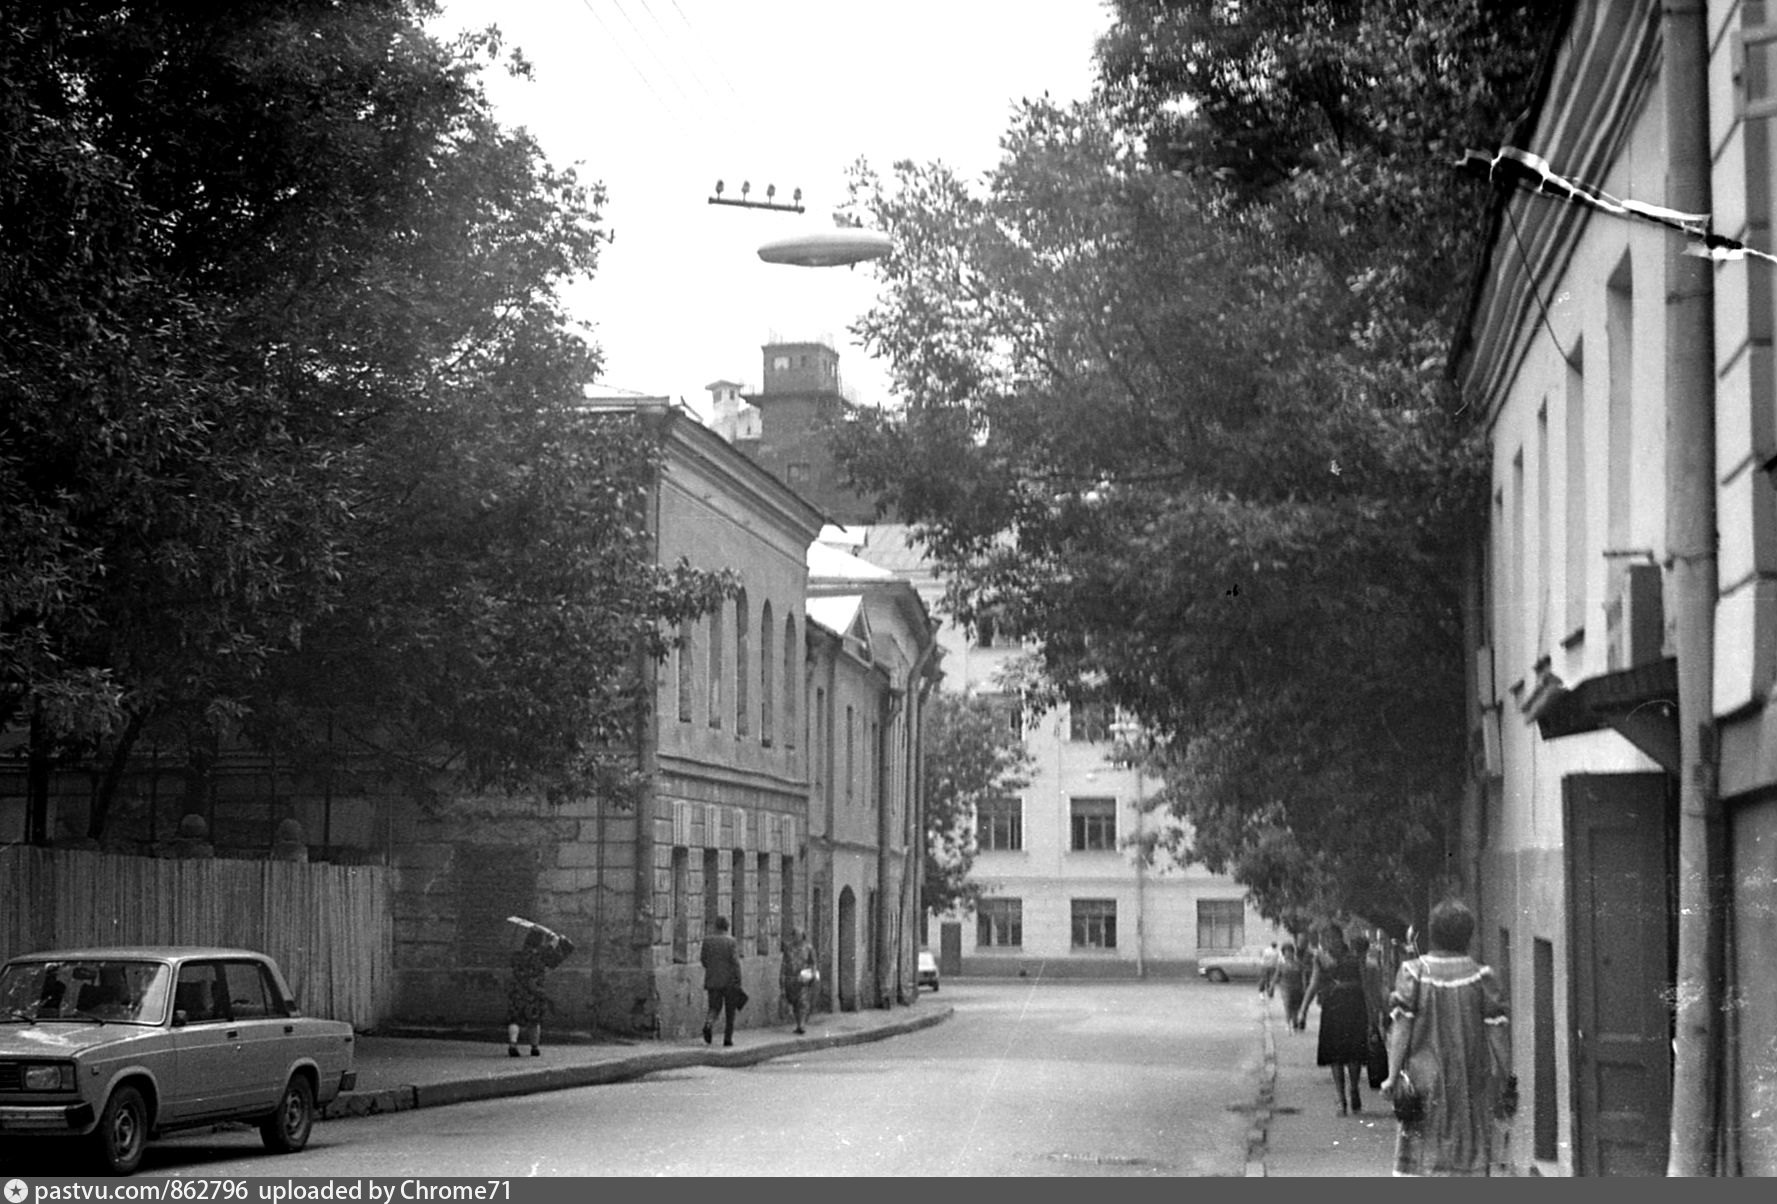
[56, 1076]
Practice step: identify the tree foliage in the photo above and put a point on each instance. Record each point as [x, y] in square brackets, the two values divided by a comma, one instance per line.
[290, 448]
[1173, 406]
[971, 754]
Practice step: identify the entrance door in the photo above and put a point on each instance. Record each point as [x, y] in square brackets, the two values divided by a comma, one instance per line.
[950, 948]
[848, 951]
[1620, 910]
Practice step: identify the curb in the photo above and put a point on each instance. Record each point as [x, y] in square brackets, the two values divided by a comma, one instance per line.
[354, 1105]
[1259, 1132]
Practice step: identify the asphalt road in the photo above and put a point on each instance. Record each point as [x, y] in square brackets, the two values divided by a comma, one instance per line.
[1046, 1079]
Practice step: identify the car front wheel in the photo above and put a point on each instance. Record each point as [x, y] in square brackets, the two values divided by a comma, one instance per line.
[287, 1130]
[122, 1134]
[1217, 976]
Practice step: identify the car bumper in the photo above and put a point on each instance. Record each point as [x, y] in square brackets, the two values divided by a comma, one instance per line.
[46, 1118]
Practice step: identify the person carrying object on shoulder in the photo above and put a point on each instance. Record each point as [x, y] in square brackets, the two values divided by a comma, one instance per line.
[526, 1002]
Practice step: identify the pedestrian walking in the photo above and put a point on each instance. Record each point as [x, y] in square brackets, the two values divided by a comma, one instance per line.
[1449, 1056]
[526, 1001]
[1290, 977]
[721, 981]
[799, 976]
[1337, 981]
[1268, 962]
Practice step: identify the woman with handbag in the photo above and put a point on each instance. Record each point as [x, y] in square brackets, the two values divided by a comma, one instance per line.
[1449, 1055]
[799, 976]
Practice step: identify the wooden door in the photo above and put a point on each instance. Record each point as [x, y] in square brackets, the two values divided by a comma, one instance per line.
[1620, 910]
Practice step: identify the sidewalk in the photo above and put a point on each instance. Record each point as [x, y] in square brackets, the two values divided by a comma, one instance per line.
[396, 1073]
[1297, 1130]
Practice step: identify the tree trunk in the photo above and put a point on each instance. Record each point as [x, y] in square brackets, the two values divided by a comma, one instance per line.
[37, 767]
[101, 805]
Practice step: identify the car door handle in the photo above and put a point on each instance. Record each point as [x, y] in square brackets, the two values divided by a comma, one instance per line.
[233, 1033]
[289, 1028]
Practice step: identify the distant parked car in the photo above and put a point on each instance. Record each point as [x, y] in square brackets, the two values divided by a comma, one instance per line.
[1239, 963]
[928, 969]
[112, 1047]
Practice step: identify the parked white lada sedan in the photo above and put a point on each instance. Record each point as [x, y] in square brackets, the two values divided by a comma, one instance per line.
[113, 1047]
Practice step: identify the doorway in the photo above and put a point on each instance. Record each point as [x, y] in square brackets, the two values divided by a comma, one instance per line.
[1620, 847]
[848, 951]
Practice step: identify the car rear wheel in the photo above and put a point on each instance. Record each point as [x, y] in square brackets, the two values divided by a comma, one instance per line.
[122, 1134]
[1217, 975]
[287, 1130]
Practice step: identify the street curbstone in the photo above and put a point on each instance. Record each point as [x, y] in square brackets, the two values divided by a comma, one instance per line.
[354, 1105]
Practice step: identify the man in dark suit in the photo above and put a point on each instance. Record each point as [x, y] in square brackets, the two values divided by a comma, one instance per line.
[721, 980]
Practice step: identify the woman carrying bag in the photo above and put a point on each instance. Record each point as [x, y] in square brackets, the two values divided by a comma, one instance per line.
[1449, 1056]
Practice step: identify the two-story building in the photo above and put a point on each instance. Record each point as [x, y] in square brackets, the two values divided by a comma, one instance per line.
[1621, 834]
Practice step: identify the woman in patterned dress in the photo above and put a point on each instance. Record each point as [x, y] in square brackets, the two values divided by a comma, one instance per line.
[1450, 1044]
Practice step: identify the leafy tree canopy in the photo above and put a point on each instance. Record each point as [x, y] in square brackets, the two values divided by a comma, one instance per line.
[1172, 404]
[289, 441]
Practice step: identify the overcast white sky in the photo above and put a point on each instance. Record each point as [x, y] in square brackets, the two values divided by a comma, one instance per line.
[659, 99]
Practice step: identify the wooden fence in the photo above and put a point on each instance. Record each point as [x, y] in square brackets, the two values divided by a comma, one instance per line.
[329, 926]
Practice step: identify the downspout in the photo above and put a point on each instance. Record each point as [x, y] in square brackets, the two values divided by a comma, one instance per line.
[1691, 549]
[642, 931]
[887, 944]
[913, 819]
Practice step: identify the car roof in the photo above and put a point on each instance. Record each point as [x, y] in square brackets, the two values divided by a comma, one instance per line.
[168, 953]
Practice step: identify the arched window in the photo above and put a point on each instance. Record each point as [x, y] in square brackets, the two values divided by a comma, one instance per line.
[717, 649]
[767, 667]
[792, 680]
[743, 661]
[687, 662]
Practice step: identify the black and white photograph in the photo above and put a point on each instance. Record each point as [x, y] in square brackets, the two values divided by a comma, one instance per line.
[783, 589]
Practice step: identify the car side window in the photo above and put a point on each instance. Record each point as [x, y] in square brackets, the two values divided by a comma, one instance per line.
[251, 994]
[202, 993]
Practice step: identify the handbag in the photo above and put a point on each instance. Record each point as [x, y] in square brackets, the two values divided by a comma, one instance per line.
[1376, 1058]
[739, 997]
[1408, 1096]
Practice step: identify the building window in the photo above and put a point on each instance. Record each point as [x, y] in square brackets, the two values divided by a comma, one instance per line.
[792, 681]
[743, 919]
[1094, 824]
[1221, 923]
[999, 825]
[1089, 722]
[780, 363]
[718, 638]
[743, 660]
[999, 923]
[686, 669]
[681, 904]
[1008, 716]
[821, 755]
[787, 891]
[712, 885]
[767, 667]
[851, 755]
[1095, 923]
[762, 889]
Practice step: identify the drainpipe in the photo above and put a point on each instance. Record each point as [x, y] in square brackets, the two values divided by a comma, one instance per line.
[1690, 541]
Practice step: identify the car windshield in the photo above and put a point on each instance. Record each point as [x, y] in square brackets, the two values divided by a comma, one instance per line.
[83, 990]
